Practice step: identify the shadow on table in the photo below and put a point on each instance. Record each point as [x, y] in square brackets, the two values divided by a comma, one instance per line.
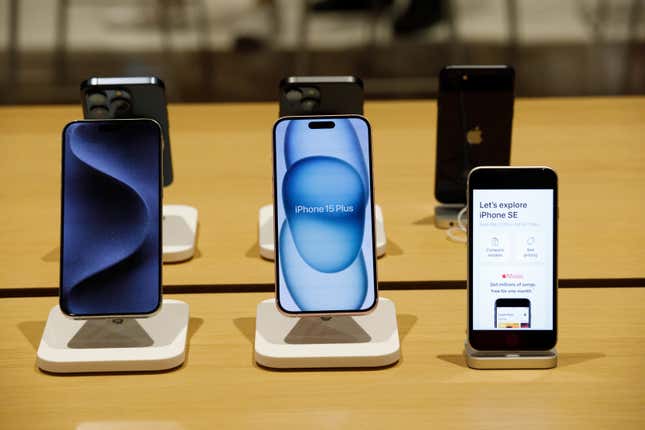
[52, 256]
[246, 326]
[564, 359]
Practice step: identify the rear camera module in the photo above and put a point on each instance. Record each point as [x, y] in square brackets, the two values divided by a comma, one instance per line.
[121, 106]
[96, 99]
[99, 112]
[309, 105]
[293, 95]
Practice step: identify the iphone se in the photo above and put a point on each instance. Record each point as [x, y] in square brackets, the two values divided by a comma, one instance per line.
[474, 123]
[512, 258]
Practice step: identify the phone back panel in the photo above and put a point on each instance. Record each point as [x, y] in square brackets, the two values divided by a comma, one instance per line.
[474, 124]
[321, 96]
[146, 101]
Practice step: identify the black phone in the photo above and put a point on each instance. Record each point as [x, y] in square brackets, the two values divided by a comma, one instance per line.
[512, 258]
[321, 95]
[474, 124]
[129, 97]
[110, 261]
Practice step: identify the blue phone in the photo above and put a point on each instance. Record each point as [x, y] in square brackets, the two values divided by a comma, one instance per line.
[110, 262]
[324, 215]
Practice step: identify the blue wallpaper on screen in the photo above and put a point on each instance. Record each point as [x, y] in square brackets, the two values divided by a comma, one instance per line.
[110, 251]
[325, 245]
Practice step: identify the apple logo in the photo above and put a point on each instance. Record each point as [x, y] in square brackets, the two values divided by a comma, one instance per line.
[474, 136]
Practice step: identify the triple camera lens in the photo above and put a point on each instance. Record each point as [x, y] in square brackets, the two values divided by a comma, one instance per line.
[308, 97]
[109, 104]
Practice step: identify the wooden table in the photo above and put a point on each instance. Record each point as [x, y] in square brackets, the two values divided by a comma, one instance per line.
[222, 166]
[600, 382]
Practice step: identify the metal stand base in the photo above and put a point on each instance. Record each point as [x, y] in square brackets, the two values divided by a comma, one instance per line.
[510, 359]
[284, 342]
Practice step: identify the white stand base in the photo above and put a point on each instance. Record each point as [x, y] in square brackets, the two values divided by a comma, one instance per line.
[445, 215]
[284, 342]
[267, 242]
[510, 360]
[179, 231]
[103, 345]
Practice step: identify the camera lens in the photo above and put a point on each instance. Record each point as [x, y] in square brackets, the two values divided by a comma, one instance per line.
[293, 95]
[309, 105]
[310, 93]
[96, 99]
[99, 112]
[121, 106]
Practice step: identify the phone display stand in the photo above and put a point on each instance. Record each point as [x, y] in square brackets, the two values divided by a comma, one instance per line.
[115, 344]
[510, 360]
[266, 238]
[284, 342]
[445, 215]
[179, 232]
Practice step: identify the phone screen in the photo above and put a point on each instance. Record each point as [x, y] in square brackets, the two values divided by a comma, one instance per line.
[512, 259]
[325, 258]
[111, 218]
[474, 123]
[512, 313]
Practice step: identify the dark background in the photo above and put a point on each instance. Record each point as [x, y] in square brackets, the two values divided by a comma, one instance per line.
[238, 50]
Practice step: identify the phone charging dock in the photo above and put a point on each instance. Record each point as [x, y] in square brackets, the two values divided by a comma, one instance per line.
[179, 232]
[266, 237]
[445, 215]
[284, 342]
[115, 344]
[510, 359]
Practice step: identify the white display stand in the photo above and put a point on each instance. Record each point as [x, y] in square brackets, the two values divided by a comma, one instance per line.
[284, 342]
[445, 215]
[266, 238]
[115, 345]
[510, 360]
[179, 232]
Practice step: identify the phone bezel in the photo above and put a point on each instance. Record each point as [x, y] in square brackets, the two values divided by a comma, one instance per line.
[157, 307]
[275, 218]
[508, 177]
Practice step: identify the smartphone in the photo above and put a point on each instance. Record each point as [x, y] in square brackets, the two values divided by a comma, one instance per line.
[321, 95]
[512, 258]
[474, 124]
[324, 215]
[111, 195]
[130, 97]
[513, 313]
